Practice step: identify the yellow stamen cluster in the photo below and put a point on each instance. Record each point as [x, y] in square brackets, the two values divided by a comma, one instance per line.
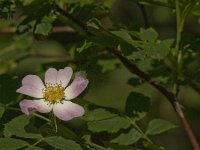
[53, 93]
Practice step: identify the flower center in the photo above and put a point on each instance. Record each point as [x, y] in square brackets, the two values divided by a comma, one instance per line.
[53, 93]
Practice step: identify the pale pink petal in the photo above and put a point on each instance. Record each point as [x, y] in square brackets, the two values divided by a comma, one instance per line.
[64, 76]
[77, 86]
[30, 91]
[51, 76]
[33, 80]
[29, 106]
[67, 110]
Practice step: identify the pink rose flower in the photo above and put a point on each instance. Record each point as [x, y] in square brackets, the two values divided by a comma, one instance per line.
[55, 94]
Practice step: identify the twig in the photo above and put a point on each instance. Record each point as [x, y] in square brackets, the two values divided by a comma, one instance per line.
[45, 55]
[72, 18]
[145, 18]
[195, 87]
[170, 96]
[59, 29]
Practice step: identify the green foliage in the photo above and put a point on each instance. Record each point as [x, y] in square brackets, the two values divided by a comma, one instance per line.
[152, 146]
[2, 110]
[62, 144]
[17, 127]
[107, 125]
[108, 64]
[34, 148]
[8, 86]
[12, 144]
[137, 105]
[128, 138]
[103, 39]
[148, 35]
[99, 114]
[7, 8]
[45, 26]
[157, 126]
[100, 120]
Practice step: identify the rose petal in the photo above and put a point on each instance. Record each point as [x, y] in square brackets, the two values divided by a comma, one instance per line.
[30, 91]
[51, 76]
[77, 86]
[64, 76]
[28, 106]
[33, 80]
[68, 110]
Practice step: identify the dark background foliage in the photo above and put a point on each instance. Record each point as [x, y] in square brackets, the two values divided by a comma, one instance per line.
[36, 35]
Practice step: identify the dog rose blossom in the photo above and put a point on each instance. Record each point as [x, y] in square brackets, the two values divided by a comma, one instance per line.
[54, 94]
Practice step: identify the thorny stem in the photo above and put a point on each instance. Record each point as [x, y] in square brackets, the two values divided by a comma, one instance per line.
[170, 96]
[72, 18]
[135, 70]
[180, 18]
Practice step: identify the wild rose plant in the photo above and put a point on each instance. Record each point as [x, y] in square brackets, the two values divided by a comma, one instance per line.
[54, 94]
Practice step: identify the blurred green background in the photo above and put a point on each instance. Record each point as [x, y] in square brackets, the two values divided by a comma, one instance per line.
[24, 54]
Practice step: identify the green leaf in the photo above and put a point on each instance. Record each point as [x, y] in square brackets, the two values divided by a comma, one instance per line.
[64, 131]
[108, 64]
[98, 114]
[111, 125]
[104, 40]
[123, 147]
[16, 127]
[2, 110]
[95, 24]
[124, 35]
[148, 34]
[108, 3]
[85, 46]
[137, 105]
[157, 50]
[44, 27]
[81, 2]
[152, 146]
[157, 126]
[129, 138]
[12, 144]
[60, 143]
[34, 148]
[134, 81]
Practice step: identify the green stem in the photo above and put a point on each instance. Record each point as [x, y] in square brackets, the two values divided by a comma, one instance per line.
[35, 114]
[12, 108]
[140, 130]
[178, 27]
[34, 144]
[41, 117]
[180, 21]
[55, 123]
